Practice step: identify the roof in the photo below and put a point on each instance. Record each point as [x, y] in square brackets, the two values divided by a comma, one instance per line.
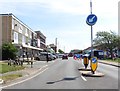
[41, 34]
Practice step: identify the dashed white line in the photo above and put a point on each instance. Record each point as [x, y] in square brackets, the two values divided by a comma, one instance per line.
[27, 78]
[83, 78]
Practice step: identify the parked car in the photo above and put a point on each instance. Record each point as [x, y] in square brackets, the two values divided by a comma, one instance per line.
[60, 55]
[43, 56]
[65, 56]
[70, 54]
[54, 56]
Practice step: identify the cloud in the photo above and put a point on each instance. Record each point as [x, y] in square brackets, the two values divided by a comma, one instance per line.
[77, 7]
[64, 19]
[70, 39]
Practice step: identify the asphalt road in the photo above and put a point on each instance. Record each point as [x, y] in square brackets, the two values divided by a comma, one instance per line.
[64, 74]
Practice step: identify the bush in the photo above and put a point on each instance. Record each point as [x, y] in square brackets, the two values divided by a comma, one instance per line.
[8, 51]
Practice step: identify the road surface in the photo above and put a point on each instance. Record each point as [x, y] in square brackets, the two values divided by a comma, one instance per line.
[64, 74]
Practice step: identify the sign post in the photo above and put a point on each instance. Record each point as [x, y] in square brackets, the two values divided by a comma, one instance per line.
[91, 20]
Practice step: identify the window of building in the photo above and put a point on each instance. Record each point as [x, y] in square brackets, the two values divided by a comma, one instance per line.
[38, 42]
[26, 32]
[15, 37]
[30, 34]
[29, 42]
[20, 38]
[20, 29]
[23, 39]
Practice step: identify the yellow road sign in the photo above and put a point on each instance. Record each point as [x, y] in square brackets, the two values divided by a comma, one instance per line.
[85, 62]
[94, 64]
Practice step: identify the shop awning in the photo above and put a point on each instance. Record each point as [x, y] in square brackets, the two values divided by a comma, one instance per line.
[31, 47]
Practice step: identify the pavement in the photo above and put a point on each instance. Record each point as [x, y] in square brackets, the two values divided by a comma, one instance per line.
[109, 63]
[28, 71]
[38, 66]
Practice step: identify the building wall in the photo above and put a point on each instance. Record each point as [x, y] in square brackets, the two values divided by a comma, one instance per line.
[42, 40]
[6, 29]
[0, 31]
[23, 37]
[0, 38]
[42, 43]
[15, 31]
[23, 33]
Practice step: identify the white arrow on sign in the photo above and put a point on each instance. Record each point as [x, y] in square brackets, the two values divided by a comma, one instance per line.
[91, 20]
[93, 60]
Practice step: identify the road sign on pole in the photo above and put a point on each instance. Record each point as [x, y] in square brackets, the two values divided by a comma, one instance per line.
[94, 64]
[91, 19]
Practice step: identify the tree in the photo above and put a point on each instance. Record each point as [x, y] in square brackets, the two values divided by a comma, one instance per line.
[107, 41]
[60, 51]
[118, 42]
[77, 51]
[50, 50]
[8, 51]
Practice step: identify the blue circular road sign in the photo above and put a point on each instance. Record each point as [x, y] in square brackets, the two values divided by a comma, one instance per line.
[94, 60]
[91, 19]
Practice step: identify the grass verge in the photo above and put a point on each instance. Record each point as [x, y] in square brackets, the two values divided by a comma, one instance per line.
[6, 68]
[115, 60]
[10, 77]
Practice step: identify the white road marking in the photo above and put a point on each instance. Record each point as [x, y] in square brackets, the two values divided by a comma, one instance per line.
[27, 78]
[1, 81]
[91, 19]
[83, 78]
[44, 66]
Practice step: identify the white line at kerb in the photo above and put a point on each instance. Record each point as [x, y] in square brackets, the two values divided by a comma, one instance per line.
[83, 78]
[26, 79]
[43, 67]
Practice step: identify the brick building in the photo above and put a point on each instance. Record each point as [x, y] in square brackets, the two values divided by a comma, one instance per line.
[13, 30]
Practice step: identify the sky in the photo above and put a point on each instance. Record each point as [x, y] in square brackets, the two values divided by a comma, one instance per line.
[64, 19]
